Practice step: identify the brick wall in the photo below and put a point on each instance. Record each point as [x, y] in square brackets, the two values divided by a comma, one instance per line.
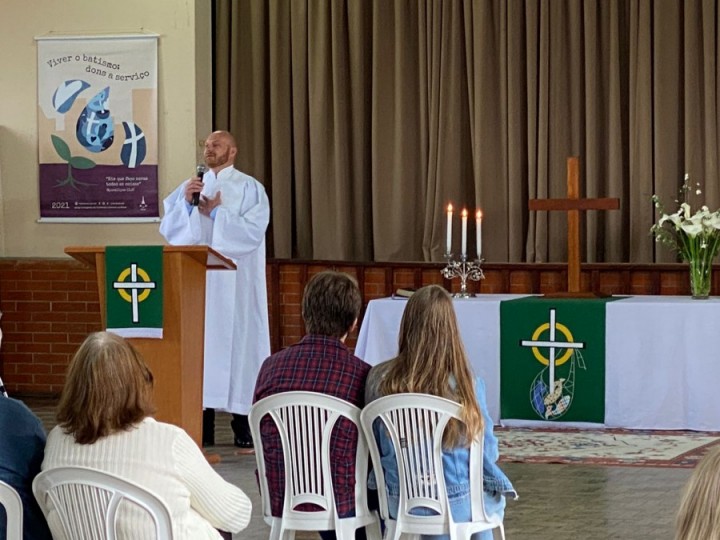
[50, 305]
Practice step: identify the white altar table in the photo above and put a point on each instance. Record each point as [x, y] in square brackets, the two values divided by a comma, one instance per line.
[662, 367]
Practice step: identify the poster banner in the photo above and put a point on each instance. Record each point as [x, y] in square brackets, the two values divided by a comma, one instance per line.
[552, 359]
[97, 128]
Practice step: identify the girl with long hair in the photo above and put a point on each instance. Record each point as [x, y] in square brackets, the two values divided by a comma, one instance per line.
[432, 360]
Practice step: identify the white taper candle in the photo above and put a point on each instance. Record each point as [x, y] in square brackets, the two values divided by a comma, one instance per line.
[448, 240]
[463, 243]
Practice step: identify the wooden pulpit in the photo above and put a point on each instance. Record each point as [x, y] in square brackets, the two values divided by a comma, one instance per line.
[176, 360]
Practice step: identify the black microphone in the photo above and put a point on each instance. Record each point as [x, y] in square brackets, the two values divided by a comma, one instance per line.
[200, 170]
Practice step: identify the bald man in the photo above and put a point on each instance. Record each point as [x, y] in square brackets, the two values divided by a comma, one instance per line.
[231, 216]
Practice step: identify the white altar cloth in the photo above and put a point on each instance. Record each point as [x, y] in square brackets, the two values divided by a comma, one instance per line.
[662, 365]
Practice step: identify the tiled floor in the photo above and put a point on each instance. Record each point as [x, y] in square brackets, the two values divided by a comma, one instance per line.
[557, 502]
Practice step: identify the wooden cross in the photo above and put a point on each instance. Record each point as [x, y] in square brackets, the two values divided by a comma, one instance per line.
[573, 205]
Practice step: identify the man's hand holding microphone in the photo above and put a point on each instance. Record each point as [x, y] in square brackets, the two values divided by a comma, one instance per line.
[192, 193]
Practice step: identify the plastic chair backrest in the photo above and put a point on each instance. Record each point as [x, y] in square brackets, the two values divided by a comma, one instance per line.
[83, 503]
[415, 424]
[10, 499]
[305, 422]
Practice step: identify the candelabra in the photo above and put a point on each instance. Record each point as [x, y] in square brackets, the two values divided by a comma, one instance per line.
[465, 270]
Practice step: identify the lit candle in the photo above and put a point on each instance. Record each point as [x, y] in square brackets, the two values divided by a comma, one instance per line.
[448, 240]
[478, 231]
[463, 243]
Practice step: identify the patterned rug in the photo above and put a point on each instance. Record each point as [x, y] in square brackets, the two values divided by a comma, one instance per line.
[605, 447]
[523, 445]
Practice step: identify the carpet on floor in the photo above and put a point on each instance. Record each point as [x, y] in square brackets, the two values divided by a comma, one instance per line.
[605, 446]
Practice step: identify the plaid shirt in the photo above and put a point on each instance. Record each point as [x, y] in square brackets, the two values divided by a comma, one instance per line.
[315, 364]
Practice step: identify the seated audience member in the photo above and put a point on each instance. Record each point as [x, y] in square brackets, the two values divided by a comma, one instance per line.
[319, 362]
[22, 440]
[432, 360]
[699, 514]
[105, 423]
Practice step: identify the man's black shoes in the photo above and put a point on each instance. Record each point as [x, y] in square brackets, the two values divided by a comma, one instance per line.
[208, 427]
[241, 430]
[242, 442]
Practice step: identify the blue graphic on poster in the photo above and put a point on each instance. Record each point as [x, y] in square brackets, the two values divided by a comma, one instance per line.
[95, 126]
[134, 146]
[65, 94]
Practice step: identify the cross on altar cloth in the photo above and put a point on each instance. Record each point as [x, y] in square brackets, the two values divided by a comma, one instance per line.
[573, 204]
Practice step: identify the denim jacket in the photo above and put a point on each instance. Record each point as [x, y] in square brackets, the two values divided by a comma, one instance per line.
[456, 462]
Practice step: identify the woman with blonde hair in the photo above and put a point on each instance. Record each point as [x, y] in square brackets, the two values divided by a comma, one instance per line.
[105, 423]
[432, 360]
[699, 514]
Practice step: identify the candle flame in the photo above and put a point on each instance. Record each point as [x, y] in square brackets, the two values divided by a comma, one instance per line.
[450, 208]
[464, 212]
[478, 215]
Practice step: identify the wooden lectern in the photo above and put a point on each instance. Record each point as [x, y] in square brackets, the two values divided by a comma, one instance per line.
[176, 360]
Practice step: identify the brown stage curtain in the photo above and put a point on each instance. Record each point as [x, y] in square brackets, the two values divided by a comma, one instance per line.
[363, 118]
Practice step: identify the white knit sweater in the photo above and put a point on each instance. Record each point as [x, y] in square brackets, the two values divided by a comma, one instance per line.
[165, 460]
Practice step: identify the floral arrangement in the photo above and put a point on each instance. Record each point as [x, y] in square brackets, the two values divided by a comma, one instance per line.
[695, 236]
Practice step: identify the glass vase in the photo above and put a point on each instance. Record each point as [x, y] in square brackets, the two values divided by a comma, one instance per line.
[700, 278]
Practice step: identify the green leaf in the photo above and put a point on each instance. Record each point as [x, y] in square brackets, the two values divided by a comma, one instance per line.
[80, 162]
[61, 147]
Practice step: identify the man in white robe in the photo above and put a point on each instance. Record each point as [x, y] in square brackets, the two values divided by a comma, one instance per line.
[232, 215]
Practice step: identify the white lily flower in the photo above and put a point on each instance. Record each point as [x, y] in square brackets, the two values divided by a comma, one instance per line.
[676, 219]
[714, 220]
[691, 228]
[698, 220]
[702, 215]
[694, 235]
[685, 210]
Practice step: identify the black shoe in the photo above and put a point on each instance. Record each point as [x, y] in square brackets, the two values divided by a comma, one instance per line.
[208, 427]
[242, 442]
[241, 430]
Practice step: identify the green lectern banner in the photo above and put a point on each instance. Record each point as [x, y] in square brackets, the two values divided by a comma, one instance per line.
[552, 359]
[134, 290]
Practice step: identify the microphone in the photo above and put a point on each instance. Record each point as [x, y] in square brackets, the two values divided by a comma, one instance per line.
[200, 170]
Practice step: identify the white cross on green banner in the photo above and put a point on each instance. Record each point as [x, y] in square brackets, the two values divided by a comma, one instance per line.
[552, 359]
[134, 290]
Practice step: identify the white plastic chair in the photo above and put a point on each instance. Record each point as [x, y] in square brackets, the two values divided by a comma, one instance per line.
[10, 499]
[82, 503]
[305, 422]
[415, 424]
